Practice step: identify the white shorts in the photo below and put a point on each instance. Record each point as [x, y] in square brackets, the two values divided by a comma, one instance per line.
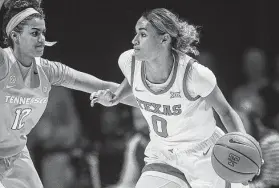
[18, 171]
[189, 168]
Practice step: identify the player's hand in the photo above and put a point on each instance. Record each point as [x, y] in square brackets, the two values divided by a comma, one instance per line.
[104, 97]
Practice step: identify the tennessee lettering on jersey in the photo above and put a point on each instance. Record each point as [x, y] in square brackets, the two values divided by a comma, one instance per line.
[167, 110]
[22, 102]
[25, 100]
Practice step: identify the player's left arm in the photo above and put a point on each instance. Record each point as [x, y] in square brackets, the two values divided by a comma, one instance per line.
[205, 85]
[228, 115]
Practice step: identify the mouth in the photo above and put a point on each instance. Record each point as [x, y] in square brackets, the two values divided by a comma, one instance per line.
[40, 47]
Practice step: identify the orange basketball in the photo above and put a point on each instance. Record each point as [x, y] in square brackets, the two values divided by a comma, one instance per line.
[236, 157]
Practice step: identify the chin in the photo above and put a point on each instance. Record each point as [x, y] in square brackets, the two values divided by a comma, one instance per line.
[139, 57]
[39, 54]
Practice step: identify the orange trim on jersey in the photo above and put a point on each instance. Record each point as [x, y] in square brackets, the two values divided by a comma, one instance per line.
[167, 169]
[143, 73]
[185, 90]
[133, 70]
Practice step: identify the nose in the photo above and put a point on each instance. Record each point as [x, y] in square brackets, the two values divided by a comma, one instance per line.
[41, 38]
[135, 40]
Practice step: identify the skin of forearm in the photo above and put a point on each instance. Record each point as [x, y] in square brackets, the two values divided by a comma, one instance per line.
[232, 122]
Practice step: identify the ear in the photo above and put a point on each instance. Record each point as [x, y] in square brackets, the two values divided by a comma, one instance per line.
[166, 38]
[14, 35]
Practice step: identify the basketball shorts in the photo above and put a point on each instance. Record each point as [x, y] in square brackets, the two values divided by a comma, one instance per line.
[188, 167]
[18, 171]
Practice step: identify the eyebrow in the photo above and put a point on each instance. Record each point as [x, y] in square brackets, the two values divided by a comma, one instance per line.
[38, 29]
[142, 28]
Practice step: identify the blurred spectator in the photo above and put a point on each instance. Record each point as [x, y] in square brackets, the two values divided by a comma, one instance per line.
[134, 153]
[116, 129]
[58, 147]
[254, 67]
[270, 96]
[269, 142]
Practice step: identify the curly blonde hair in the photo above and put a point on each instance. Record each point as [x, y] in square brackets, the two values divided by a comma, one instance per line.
[185, 36]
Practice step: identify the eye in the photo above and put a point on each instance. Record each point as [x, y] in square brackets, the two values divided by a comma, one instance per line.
[143, 34]
[35, 33]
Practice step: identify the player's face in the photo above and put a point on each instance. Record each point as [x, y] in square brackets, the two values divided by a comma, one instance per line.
[31, 41]
[147, 43]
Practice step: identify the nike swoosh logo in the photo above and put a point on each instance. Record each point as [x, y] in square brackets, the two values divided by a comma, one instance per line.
[235, 142]
[205, 153]
[139, 90]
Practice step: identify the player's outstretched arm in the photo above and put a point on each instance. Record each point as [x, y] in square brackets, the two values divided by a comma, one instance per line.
[229, 117]
[123, 94]
[91, 84]
[123, 91]
[62, 75]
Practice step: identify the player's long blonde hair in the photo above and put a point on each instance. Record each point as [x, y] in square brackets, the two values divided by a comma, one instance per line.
[185, 36]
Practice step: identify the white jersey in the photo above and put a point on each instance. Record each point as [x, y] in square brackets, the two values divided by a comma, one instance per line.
[177, 114]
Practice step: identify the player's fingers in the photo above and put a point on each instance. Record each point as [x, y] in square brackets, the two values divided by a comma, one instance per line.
[93, 95]
[96, 94]
[92, 104]
[93, 101]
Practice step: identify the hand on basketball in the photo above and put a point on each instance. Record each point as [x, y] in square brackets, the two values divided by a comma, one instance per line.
[104, 97]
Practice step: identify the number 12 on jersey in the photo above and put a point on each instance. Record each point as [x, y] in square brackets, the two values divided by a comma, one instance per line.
[160, 126]
[21, 114]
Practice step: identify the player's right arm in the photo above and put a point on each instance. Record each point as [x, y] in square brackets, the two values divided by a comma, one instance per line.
[125, 64]
[124, 91]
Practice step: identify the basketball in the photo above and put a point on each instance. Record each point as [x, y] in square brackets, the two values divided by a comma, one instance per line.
[236, 157]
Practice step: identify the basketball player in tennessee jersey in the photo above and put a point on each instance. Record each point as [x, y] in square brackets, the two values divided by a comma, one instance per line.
[176, 96]
[25, 82]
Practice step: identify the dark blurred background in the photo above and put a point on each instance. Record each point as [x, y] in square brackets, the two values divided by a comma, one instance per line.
[239, 42]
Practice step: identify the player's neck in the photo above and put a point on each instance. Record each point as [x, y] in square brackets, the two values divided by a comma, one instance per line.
[159, 69]
[26, 61]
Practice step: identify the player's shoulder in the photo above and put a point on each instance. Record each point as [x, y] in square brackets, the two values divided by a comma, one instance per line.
[42, 62]
[4, 64]
[45, 63]
[185, 59]
[7, 54]
[126, 56]
[127, 53]
[3, 56]
[199, 69]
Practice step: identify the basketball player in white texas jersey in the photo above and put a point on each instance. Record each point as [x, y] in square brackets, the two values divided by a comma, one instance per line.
[176, 95]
